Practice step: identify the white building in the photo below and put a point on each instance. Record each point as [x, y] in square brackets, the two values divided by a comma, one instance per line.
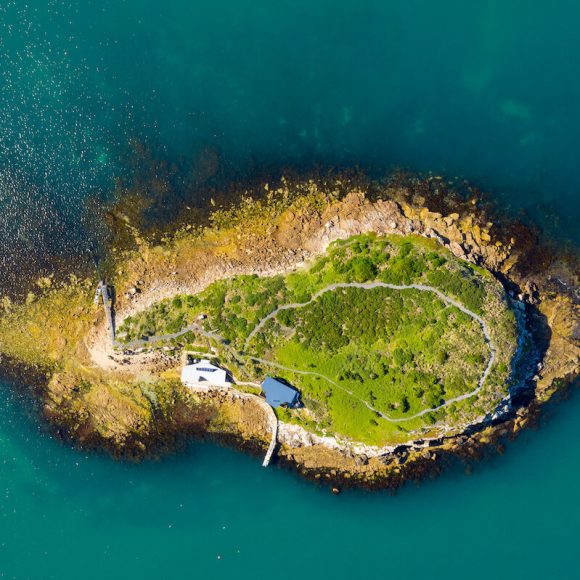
[204, 374]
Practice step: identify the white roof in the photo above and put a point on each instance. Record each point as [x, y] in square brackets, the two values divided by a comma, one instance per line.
[205, 363]
[204, 372]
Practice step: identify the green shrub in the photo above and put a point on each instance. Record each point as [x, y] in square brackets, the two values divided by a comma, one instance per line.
[405, 249]
[176, 324]
[362, 269]
[435, 259]
[287, 317]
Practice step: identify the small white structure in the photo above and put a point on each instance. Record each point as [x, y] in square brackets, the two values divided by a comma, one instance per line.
[204, 374]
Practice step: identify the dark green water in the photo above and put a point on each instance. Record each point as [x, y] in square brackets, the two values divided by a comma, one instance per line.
[487, 90]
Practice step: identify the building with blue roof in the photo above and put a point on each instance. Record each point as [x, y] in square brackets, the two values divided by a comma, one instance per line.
[279, 393]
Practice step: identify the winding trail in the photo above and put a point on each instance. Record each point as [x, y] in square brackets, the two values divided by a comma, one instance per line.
[331, 288]
[370, 286]
[153, 339]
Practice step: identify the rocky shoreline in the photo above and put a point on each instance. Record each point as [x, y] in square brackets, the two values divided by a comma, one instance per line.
[263, 236]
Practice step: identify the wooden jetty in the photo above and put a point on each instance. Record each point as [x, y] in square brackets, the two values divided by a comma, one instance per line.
[103, 290]
[272, 446]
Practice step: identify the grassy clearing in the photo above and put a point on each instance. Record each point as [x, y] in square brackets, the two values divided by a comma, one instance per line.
[400, 351]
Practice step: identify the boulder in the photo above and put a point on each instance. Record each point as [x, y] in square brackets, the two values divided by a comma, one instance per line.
[457, 249]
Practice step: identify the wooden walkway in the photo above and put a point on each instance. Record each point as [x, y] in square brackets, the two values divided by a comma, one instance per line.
[104, 291]
[273, 420]
[272, 446]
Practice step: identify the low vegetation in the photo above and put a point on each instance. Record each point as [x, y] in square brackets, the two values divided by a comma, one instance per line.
[50, 328]
[378, 358]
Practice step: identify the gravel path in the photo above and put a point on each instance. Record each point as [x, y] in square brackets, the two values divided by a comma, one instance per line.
[137, 343]
[331, 288]
[370, 286]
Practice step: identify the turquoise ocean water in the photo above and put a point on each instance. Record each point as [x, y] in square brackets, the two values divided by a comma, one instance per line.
[486, 90]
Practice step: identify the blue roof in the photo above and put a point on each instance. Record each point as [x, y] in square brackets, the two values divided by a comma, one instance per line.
[278, 393]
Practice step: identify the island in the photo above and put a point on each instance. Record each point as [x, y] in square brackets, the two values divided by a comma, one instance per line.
[364, 333]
